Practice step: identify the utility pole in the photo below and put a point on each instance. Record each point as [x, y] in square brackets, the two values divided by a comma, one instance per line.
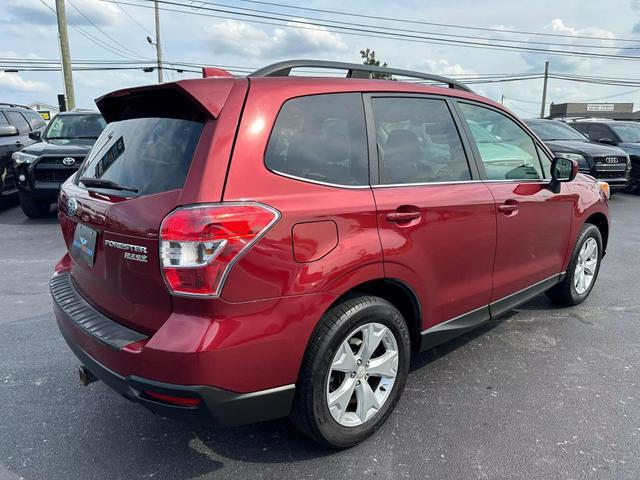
[158, 47]
[502, 99]
[544, 89]
[65, 56]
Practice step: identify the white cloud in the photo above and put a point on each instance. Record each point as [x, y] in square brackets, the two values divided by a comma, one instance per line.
[443, 67]
[14, 82]
[233, 37]
[558, 26]
[34, 12]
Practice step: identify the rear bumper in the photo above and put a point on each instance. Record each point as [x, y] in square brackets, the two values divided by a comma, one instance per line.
[84, 328]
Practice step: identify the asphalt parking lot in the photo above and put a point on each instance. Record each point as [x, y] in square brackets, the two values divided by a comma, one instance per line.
[540, 393]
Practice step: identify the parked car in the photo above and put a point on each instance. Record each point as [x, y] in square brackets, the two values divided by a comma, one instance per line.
[624, 135]
[42, 167]
[18, 125]
[604, 162]
[240, 254]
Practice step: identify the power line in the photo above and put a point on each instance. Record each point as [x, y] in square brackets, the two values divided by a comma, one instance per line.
[363, 32]
[404, 30]
[447, 25]
[88, 35]
[144, 29]
[116, 42]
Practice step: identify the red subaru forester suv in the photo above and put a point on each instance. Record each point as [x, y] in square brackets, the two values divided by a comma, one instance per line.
[242, 249]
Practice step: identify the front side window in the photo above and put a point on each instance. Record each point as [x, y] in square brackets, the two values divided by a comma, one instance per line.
[321, 138]
[19, 122]
[627, 133]
[75, 126]
[600, 132]
[418, 141]
[506, 150]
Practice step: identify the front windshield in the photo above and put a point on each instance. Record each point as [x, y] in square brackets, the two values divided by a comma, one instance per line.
[548, 131]
[75, 126]
[628, 133]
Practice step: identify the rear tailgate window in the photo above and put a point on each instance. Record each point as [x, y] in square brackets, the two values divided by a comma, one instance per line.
[147, 154]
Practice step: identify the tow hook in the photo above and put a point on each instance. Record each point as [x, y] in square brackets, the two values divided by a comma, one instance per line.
[85, 376]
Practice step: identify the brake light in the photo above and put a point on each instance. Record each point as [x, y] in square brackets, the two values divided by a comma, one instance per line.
[199, 245]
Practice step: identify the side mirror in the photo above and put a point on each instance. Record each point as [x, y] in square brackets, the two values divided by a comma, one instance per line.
[8, 131]
[562, 170]
[607, 141]
[35, 135]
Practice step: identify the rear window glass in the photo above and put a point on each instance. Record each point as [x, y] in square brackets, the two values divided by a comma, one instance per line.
[321, 138]
[34, 119]
[150, 155]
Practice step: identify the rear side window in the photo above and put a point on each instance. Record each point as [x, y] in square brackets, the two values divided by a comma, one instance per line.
[3, 119]
[321, 138]
[18, 121]
[34, 119]
[150, 154]
[418, 142]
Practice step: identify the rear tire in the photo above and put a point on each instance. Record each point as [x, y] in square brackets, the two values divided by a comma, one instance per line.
[338, 360]
[33, 208]
[583, 269]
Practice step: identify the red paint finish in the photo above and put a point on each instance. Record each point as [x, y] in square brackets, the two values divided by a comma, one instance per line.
[533, 234]
[314, 240]
[457, 246]
[446, 253]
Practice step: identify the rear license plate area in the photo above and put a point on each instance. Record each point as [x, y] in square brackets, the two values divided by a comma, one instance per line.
[83, 247]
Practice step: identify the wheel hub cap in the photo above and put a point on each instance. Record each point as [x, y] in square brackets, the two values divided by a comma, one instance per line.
[362, 374]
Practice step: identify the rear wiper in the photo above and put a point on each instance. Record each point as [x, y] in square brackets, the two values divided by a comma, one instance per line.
[101, 183]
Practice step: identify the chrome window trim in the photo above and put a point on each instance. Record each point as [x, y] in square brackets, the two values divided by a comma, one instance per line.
[317, 182]
[422, 184]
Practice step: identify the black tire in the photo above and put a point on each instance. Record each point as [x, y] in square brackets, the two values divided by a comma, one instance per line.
[565, 292]
[33, 208]
[310, 412]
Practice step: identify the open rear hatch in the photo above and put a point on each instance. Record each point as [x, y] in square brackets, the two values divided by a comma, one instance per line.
[112, 209]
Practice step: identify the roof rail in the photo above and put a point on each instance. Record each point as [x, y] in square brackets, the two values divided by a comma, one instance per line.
[354, 70]
[13, 105]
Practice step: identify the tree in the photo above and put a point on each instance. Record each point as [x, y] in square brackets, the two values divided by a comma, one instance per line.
[369, 58]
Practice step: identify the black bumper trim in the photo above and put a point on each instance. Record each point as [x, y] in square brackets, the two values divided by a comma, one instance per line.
[221, 407]
[94, 323]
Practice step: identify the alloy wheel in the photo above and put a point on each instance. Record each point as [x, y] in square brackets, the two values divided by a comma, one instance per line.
[362, 374]
[586, 266]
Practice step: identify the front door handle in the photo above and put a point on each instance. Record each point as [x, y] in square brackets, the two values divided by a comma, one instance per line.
[509, 207]
[399, 217]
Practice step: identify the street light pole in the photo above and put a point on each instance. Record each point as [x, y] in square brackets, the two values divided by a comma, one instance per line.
[65, 55]
[158, 46]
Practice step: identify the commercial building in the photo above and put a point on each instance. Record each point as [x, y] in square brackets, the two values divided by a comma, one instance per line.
[615, 111]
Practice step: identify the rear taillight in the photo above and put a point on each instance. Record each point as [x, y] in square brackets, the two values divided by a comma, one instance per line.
[200, 244]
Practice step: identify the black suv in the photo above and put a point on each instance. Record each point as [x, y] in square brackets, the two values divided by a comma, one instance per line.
[41, 168]
[624, 135]
[603, 162]
[18, 127]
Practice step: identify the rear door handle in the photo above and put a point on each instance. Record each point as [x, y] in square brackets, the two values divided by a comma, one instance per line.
[403, 216]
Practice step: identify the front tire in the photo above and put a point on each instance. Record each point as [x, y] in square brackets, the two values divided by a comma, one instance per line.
[33, 208]
[583, 269]
[353, 372]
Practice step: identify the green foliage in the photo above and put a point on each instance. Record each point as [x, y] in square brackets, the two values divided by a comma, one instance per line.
[369, 58]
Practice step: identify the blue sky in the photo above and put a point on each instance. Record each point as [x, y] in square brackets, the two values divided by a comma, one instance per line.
[28, 30]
